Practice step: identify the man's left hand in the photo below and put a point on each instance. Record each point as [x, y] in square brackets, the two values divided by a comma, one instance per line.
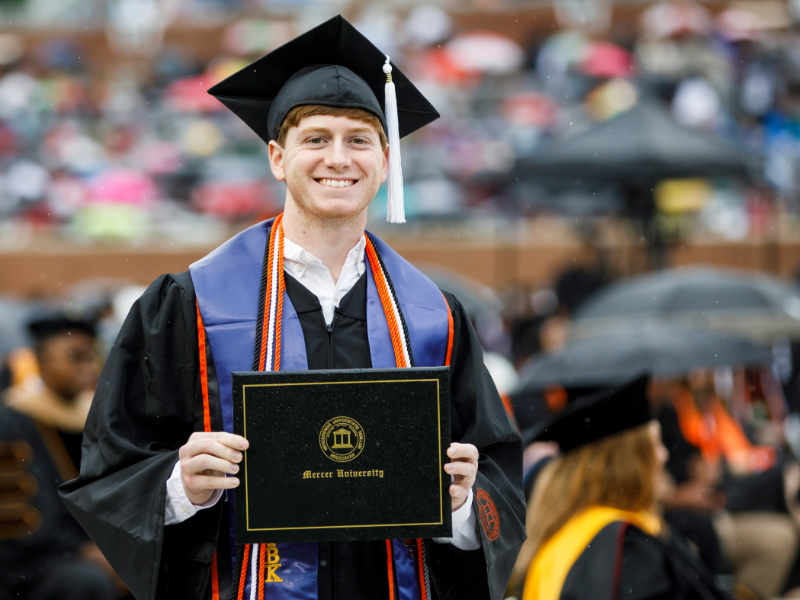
[463, 468]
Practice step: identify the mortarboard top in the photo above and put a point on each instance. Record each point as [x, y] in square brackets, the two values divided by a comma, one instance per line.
[595, 417]
[52, 322]
[330, 65]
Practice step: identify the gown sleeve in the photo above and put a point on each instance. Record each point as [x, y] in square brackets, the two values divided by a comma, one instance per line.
[147, 403]
[479, 418]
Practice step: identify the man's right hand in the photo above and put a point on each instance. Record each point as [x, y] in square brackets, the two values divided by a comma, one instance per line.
[205, 459]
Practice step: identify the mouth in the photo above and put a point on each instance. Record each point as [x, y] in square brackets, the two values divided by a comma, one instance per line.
[336, 183]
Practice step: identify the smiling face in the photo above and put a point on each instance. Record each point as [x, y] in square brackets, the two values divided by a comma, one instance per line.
[332, 166]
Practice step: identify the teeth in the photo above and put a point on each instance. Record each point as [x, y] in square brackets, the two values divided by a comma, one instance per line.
[337, 182]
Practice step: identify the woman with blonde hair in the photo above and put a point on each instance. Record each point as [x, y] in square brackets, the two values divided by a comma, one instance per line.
[593, 527]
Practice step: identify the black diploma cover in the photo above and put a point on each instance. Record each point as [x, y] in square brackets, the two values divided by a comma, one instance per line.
[343, 455]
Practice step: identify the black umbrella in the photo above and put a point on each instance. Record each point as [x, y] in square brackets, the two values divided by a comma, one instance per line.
[644, 144]
[752, 304]
[661, 351]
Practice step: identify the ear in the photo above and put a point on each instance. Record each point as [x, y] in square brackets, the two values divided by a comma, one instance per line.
[385, 166]
[276, 160]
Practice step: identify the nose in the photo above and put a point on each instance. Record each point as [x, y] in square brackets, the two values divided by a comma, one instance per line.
[337, 157]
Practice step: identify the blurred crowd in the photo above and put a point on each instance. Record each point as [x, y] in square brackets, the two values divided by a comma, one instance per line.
[123, 152]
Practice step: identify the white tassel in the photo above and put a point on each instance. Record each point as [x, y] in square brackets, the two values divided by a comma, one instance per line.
[395, 212]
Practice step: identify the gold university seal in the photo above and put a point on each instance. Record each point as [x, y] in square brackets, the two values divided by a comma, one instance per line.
[341, 439]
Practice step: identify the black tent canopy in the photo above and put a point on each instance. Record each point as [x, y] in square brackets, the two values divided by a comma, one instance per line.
[644, 144]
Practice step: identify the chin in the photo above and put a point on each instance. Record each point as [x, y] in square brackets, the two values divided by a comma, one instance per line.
[334, 208]
[339, 212]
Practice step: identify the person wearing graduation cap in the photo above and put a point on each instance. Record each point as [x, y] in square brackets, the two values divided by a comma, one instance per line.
[309, 289]
[593, 527]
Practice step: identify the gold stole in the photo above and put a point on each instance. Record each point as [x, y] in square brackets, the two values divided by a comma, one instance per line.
[555, 558]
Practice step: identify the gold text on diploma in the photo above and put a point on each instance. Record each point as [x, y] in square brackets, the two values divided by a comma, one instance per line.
[342, 473]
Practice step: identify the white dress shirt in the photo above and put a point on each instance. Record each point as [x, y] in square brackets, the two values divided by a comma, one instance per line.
[317, 278]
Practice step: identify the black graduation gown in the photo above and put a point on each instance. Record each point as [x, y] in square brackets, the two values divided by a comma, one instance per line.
[149, 400]
[36, 530]
[623, 562]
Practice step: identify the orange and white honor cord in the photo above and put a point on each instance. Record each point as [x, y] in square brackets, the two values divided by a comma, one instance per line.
[269, 349]
[398, 330]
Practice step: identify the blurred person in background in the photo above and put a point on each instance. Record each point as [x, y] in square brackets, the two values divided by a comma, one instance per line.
[689, 501]
[593, 525]
[540, 325]
[724, 493]
[44, 553]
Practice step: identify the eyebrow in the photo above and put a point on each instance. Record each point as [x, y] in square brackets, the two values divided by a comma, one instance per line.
[319, 130]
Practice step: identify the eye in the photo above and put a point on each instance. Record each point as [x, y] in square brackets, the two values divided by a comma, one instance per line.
[315, 140]
[360, 141]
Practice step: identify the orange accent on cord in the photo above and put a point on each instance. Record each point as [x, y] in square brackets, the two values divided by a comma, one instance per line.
[261, 554]
[383, 293]
[281, 290]
[243, 575]
[390, 568]
[201, 346]
[421, 570]
[214, 578]
[449, 334]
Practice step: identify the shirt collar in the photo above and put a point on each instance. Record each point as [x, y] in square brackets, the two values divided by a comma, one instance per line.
[356, 255]
[297, 255]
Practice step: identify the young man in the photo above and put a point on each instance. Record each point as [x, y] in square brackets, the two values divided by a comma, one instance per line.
[159, 441]
[44, 553]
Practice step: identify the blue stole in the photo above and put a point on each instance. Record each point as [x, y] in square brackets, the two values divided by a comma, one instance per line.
[227, 283]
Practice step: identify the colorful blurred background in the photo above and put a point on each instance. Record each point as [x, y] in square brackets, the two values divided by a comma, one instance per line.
[114, 162]
[605, 175]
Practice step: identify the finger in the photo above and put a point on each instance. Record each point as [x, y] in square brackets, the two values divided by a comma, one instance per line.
[210, 446]
[205, 462]
[231, 440]
[458, 451]
[461, 468]
[466, 481]
[458, 491]
[209, 482]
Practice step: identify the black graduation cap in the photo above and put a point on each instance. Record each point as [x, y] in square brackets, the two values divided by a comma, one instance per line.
[330, 65]
[50, 322]
[595, 417]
